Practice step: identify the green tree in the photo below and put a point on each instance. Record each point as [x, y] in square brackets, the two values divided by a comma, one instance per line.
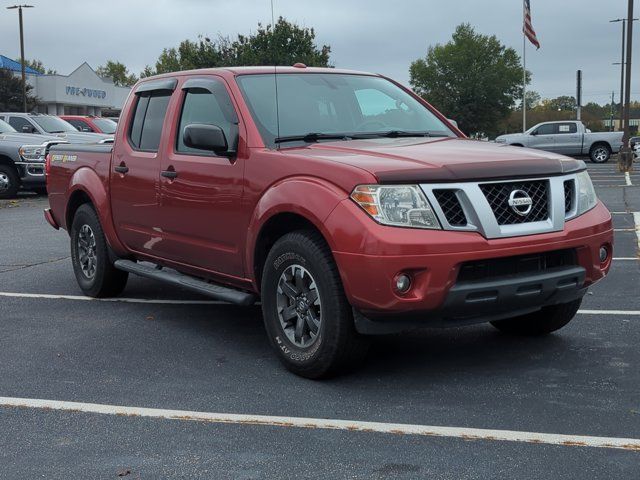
[473, 79]
[11, 93]
[284, 44]
[118, 72]
[38, 66]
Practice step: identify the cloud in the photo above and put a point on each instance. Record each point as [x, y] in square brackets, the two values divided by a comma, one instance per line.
[371, 35]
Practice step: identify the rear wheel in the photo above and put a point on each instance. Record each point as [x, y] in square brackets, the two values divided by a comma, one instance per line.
[96, 275]
[9, 181]
[307, 316]
[600, 153]
[542, 322]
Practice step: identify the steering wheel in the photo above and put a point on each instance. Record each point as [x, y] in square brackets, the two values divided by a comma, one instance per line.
[371, 123]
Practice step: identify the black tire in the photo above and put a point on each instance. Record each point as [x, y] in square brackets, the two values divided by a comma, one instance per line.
[9, 181]
[600, 153]
[106, 280]
[542, 322]
[337, 346]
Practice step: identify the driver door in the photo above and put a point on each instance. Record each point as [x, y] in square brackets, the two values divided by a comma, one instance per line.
[543, 137]
[203, 221]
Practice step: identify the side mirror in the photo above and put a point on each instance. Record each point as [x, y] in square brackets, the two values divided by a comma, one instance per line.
[534, 133]
[205, 137]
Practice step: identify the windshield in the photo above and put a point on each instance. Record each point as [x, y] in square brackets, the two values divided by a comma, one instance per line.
[51, 124]
[329, 103]
[106, 125]
[6, 128]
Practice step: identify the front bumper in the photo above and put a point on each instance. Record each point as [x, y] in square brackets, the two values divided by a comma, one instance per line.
[31, 173]
[370, 256]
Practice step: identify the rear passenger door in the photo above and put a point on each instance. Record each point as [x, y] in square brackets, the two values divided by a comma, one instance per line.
[203, 220]
[568, 140]
[135, 168]
[543, 137]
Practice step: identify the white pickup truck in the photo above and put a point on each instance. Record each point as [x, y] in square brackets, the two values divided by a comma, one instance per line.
[568, 138]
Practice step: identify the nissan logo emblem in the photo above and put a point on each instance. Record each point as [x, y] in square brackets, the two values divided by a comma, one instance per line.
[520, 202]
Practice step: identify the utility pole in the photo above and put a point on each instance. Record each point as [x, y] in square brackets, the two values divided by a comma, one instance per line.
[579, 95]
[622, 64]
[611, 112]
[625, 158]
[24, 77]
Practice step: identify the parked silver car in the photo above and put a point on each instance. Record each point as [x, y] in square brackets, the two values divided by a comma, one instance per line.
[568, 138]
[51, 125]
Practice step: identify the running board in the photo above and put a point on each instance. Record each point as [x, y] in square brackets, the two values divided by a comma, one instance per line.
[191, 283]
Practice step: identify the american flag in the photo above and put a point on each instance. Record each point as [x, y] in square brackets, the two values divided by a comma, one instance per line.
[527, 28]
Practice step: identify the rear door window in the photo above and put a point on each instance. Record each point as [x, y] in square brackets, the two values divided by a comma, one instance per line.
[148, 119]
[567, 128]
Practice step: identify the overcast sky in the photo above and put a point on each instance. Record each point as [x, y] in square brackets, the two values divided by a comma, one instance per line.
[373, 35]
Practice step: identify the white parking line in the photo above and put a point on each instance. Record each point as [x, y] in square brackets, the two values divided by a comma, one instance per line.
[330, 424]
[609, 312]
[627, 177]
[623, 259]
[636, 220]
[115, 299]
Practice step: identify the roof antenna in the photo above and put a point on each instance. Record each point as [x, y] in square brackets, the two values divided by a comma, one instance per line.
[275, 74]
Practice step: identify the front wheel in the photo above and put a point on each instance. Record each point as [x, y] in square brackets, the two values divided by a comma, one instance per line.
[542, 322]
[307, 316]
[600, 153]
[96, 275]
[9, 181]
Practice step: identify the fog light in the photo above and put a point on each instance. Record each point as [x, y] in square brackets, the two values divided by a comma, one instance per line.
[403, 283]
[604, 254]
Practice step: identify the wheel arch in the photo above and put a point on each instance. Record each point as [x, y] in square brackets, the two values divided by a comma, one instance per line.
[275, 215]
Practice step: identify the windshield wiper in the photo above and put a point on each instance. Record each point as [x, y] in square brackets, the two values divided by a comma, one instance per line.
[395, 134]
[313, 137]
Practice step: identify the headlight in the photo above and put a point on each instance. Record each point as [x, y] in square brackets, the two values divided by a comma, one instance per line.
[397, 205]
[33, 152]
[586, 194]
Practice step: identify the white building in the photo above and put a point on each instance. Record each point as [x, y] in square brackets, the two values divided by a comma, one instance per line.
[82, 92]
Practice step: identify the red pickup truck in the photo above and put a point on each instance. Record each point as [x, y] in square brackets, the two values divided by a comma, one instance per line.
[343, 201]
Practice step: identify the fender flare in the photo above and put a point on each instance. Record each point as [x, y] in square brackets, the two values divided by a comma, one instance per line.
[87, 180]
[309, 197]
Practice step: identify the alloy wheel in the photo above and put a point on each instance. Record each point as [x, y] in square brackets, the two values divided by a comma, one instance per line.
[299, 306]
[87, 251]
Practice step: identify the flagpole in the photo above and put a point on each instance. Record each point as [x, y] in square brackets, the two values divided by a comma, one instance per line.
[524, 78]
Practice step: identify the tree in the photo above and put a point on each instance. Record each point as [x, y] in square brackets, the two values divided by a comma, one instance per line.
[284, 44]
[11, 93]
[473, 79]
[118, 73]
[38, 66]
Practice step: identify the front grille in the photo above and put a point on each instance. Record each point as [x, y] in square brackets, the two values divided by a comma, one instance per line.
[497, 194]
[522, 264]
[569, 187]
[451, 207]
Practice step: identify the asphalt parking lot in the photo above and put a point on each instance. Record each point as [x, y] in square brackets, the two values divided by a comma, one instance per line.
[128, 365]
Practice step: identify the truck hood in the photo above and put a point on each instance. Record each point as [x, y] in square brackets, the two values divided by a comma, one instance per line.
[439, 159]
[82, 137]
[27, 138]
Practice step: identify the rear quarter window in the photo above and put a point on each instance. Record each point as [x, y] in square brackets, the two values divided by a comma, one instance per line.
[148, 118]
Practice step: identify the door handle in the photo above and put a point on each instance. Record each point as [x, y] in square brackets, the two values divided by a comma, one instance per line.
[169, 174]
[122, 168]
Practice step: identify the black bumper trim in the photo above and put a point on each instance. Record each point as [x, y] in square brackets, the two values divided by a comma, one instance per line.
[484, 301]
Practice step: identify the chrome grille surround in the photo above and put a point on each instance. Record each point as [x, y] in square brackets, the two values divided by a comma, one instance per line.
[481, 217]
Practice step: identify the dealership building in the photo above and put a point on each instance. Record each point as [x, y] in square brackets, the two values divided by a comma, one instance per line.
[82, 92]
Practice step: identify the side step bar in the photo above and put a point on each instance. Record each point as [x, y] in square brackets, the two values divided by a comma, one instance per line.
[212, 290]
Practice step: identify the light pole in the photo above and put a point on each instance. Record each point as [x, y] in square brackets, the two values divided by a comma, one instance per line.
[622, 63]
[625, 158]
[24, 79]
